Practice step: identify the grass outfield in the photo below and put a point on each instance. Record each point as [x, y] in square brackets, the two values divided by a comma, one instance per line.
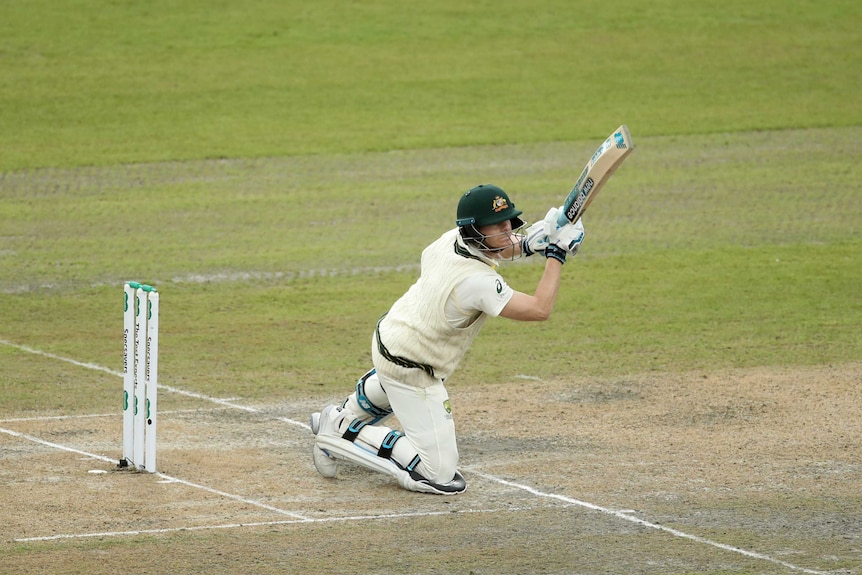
[703, 252]
[93, 83]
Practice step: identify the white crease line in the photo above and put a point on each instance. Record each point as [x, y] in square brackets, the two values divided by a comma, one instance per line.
[60, 358]
[93, 366]
[20, 435]
[625, 515]
[162, 475]
[264, 524]
[230, 496]
[618, 514]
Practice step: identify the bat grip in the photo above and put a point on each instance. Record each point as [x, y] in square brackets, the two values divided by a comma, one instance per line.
[562, 219]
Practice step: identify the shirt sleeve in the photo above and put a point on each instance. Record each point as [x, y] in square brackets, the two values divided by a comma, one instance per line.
[488, 293]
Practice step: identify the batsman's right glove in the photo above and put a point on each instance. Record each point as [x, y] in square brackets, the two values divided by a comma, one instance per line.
[569, 237]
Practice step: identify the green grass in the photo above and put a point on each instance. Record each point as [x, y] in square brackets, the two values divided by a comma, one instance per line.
[730, 308]
[703, 252]
[301, 216]
[85, 82]
[276, 169]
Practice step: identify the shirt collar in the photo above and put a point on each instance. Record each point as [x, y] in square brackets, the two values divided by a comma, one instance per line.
[461, 247]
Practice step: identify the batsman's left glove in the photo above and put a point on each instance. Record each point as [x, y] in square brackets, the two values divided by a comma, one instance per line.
[536, 238]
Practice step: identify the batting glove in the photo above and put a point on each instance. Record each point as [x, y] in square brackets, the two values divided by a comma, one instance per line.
[569, 237]
[536, 238]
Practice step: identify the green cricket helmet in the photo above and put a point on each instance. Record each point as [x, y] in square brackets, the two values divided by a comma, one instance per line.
[486, 205]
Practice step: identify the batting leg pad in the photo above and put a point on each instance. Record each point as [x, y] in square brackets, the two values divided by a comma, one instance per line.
[360, 454]
[379, 449]
[369, 401]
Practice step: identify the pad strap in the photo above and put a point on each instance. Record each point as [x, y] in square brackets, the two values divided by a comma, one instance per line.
[378, 413]
[353, 430]
[411, 468]
[388, 444]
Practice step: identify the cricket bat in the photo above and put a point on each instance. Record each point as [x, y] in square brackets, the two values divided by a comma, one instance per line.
[598, 170]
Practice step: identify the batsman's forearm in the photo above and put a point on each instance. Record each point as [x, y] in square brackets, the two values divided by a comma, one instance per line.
[536, 307]
[548, 288]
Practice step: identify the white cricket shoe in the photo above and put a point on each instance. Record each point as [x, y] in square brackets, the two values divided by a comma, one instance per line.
[324, 422]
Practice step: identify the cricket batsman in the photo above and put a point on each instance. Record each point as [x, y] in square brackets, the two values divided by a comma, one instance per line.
[419, 342]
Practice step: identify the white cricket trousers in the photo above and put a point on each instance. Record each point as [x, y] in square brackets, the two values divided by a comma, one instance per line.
[426, 420]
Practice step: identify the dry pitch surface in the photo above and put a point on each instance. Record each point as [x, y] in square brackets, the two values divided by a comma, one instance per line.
[737, 472]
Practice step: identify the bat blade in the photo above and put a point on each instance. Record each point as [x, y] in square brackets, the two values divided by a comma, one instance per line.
[604, 162]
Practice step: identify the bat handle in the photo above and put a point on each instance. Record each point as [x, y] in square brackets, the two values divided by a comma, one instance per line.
[562, 219]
